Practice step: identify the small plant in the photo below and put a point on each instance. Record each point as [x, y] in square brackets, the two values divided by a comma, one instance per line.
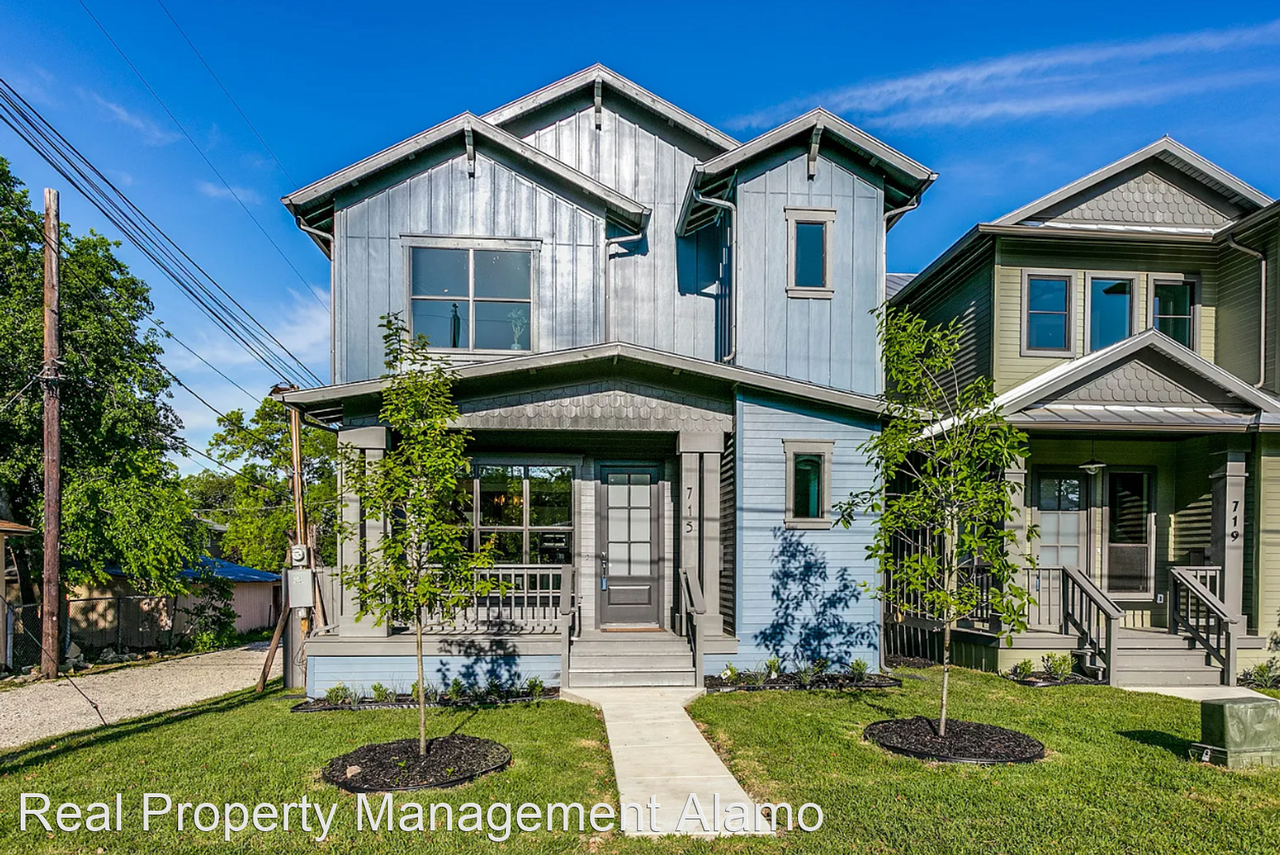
[493, 689]
[773, 667]
[429, 693]
[1023, 670]
[1059, 666]
[1262, 676]
[535, 687]
[338, 694]
[820, 666]
[858, 670]
[456, 690]
[806, 674]
[381, 694]
[730, 674]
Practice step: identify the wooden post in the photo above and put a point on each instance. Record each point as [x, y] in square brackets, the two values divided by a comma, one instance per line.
[52, 594]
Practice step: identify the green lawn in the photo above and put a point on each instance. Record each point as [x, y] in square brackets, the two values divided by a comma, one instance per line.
[1116, 779]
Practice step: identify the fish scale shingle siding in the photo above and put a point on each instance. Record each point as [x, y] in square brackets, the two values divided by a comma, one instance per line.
[1146, 199]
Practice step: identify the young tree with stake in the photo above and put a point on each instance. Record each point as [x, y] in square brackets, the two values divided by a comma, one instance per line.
[941, 497]
[423, 564]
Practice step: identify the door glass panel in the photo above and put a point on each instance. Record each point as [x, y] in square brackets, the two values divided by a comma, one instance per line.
[1069, 526]
[1069, 556]
[641, 558]
[618, 524]
[619, 555]
[1061, 505]
[618, 491]
[1048, 555]
[639, 491]
[1049, 527]
[1127, 500]
[629, 521]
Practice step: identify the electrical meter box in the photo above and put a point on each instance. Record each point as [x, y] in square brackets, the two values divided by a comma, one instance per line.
[299, 582]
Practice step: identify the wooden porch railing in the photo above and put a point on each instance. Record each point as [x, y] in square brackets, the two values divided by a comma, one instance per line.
[1094, 617]
[529, 601]
[1194, 607]
[692, 608]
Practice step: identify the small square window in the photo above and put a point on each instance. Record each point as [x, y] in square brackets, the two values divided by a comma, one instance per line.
[1047, 314]
[809, 262]
[808, 483]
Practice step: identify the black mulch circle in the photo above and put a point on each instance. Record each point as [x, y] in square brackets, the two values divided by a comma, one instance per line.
[966, 741]
[790, 682]
[450, 760]
[894, 661]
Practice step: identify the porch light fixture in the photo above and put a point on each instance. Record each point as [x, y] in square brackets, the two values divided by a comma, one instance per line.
[1093, 465]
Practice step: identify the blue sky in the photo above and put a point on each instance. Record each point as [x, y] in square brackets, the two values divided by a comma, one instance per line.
[1005, 101]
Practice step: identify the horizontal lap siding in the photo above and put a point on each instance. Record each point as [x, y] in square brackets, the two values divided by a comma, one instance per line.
[1268, 542]
[444, 200]
[401, 672]
[969, 302]
[782, 599]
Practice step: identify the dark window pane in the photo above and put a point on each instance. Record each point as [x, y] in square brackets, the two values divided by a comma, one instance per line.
[502, 275]
[1047, 331]
[807, 502]
[550, 496]
[551, 547]
[1127, 501]
[1110, 310]
[811, 255]
[501, 495]
[1048, 494]
[1069, 494]
[1173, 298]
[1046, 295]
[439, 273]
[508, 546]
[443, 322]
[1178, 329]
[502, 326]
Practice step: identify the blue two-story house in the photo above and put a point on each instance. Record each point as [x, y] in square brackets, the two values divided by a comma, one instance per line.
[666, 358]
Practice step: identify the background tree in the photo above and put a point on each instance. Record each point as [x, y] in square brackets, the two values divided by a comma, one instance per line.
[257, 505]
[941, 497]
[423, 565]
[122, 500]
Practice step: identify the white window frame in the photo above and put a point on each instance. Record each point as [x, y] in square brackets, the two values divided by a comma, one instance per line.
[1047, 273]
[1192, 279]
[409, 243]
[1135, 310]
[824, 217]
[824, 448]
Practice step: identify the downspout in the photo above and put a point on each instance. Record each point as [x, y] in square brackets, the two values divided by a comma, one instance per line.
[1262, 308]
[732, 355]
[333, 330]
[609, 244]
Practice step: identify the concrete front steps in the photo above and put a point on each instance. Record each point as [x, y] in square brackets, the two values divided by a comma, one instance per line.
[624, 659]
[1160, 658]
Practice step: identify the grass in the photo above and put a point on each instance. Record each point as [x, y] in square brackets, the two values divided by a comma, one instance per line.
[1116, 780]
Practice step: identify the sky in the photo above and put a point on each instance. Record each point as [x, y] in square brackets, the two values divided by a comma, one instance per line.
[1005, 101]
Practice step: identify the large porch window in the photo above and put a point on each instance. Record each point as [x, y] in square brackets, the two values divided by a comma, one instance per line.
[527, 510]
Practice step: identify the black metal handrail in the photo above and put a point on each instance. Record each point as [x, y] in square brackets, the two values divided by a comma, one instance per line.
[1194, 608]
[1093, 615]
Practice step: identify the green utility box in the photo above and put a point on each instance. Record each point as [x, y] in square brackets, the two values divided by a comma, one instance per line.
[1239, 732]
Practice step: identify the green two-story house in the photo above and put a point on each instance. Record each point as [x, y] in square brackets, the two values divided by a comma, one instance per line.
[1129, 323]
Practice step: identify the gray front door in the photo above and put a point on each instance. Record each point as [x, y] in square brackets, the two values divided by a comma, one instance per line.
[629, 545]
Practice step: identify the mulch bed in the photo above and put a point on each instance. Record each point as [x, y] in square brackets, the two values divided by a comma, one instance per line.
[382, 767]
[789, 682]
[1042, 680]
[406, 702]
[908, 662]
[966, 741]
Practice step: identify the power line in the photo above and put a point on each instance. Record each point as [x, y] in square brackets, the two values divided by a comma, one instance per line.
[203, 156]
[207, 68]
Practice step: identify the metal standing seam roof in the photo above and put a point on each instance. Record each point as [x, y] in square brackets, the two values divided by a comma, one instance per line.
[1058, 415]
[220, 567]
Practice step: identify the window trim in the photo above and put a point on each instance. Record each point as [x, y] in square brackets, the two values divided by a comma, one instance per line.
[1070, 276]
[824, 217]
[533, 246]
[1192, 279]
[825, 448]
[1134, 307]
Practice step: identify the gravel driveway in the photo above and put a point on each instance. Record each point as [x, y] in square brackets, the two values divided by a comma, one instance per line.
[43, 710]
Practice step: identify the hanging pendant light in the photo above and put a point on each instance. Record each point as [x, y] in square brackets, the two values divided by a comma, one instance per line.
[1093, 465]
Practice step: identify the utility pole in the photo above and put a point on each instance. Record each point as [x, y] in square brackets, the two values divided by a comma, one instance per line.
[52, 598]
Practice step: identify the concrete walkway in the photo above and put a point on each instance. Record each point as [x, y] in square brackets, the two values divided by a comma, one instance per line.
[659, 754]
[1199, 693]
[43, 710]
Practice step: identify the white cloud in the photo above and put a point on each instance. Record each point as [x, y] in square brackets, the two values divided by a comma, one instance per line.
[152, 133]
[222, 191]
[1071, 80]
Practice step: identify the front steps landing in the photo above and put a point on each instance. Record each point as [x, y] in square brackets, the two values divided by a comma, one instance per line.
[630, 658]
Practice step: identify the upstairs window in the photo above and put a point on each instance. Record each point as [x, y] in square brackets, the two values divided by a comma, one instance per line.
[1173, 310]
[1110, 310]
[809, 260]
[471, 294]
[1047, 321]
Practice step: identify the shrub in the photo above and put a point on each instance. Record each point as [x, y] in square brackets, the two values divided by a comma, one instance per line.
[381, 694]
[429, 693]
[338, 694]
[456, 690]
[730, 674]
[858, 670]
[1263, 676]
[1059, 666]
[211, 622]
[534, 686]
[1023, 670]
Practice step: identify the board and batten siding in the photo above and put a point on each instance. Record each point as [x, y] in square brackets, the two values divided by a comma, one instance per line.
[444, 200]
[1013, 256]
[794, 584]
[967, 300]
[831, 342]
[666, 292]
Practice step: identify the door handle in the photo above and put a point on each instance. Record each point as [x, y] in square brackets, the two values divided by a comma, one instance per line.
[604, 571]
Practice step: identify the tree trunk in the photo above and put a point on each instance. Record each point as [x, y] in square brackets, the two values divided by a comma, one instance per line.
[422, 694]
[946, 677]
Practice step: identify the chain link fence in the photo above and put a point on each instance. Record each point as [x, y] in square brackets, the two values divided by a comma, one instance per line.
[126, 624]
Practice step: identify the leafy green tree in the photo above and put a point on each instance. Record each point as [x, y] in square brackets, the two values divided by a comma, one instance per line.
[422, 566]
[122, 500]
[941, 499]
[258, 508]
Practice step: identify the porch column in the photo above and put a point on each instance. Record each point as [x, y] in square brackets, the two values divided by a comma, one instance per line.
[372, 441]
[1228, 527]
[700, 517]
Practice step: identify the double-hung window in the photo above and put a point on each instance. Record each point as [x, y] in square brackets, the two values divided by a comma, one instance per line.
[809, 260]
[1047, 315]
[1173, 309]
[1111, 304]
[472, 294]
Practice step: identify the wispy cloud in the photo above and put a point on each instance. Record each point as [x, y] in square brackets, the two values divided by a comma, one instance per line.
[221, 191]
[151, 133]
[1071, 80]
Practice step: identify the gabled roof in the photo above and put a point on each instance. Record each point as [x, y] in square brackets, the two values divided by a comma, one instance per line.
[314, 203]
[326, 401]
[815, 128]
[606, 77]
[1164, 150]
